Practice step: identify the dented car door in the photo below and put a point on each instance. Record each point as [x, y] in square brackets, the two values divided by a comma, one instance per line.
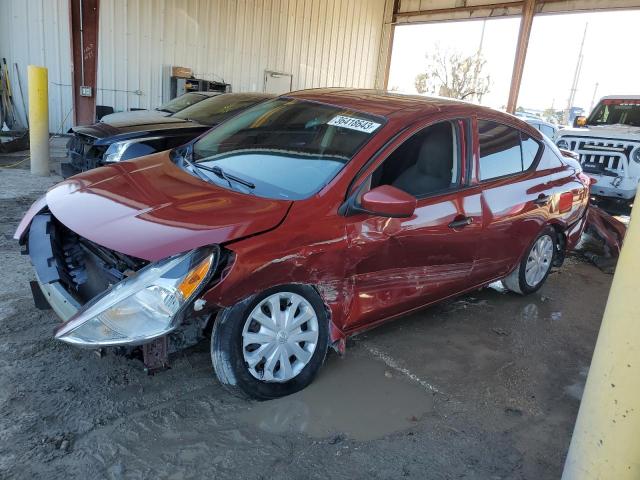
[405, 263]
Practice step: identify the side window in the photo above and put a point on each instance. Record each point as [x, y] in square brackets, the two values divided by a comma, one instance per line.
[426, 163]
[500, 152]
[530, 150]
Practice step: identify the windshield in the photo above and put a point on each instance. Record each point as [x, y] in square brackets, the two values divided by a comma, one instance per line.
[181, 102]
[286, 148]
[612, 112]
[214, 110]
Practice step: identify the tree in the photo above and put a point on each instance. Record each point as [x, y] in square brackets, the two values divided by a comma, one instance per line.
[452, 74]
[552, 115]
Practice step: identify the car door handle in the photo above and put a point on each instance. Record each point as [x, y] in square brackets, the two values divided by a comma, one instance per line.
[542, 200]
[461, 223]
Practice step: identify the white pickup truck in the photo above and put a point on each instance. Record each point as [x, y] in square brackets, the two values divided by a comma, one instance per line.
[608, 143]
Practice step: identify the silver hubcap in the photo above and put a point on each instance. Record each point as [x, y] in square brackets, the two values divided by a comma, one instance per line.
[539, 260]
[279, 337]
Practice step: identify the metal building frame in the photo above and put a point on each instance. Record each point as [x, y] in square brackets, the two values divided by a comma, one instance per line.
[405, 12]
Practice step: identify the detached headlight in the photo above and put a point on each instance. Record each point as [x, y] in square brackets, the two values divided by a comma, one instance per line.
[142, 307]
[562, 143]
[636, 155]
[115, 151]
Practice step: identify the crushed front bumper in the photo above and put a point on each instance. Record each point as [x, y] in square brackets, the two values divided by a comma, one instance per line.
[62, 303]
[83, 155]
[43, 244]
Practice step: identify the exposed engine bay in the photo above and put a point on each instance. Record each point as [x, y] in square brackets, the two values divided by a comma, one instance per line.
[85, 270]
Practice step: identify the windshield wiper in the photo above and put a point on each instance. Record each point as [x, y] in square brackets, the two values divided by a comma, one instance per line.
[194, 168]
[216, 170]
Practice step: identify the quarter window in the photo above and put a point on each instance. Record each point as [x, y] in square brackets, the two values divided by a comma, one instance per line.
[549, 160]
[530, 150]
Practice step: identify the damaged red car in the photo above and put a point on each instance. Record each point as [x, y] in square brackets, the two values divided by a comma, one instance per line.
[298, 223]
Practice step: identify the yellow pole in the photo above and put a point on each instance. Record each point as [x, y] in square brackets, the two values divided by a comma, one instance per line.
[38, 119]
[606, 438]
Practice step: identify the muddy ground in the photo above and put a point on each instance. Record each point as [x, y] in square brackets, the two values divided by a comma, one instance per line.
[483, 387]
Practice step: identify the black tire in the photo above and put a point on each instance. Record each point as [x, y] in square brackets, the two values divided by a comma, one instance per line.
[227, 356]
[516, 280]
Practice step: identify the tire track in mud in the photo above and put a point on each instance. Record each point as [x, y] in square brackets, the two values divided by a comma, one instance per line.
[392, 363]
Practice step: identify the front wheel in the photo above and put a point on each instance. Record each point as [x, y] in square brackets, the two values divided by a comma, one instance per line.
[271, 345]
[535, 266]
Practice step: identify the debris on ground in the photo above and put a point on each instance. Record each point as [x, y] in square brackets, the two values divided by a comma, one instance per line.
[602, 239]
[500, 331]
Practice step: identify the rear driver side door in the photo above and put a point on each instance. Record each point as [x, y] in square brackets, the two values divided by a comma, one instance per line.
[515, 197]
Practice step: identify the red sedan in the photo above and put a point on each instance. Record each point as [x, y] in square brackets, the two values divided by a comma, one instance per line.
[297, 223]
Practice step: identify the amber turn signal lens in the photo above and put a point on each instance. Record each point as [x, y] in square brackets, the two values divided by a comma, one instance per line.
[195, 277]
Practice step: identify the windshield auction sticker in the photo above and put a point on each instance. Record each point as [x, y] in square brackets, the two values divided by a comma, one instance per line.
[353, 123]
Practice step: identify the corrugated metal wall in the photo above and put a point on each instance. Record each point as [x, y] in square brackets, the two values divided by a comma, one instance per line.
[37, 32]
[319, 42]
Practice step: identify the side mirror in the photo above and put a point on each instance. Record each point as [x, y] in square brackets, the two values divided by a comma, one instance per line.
[388, 201]
[580, 121]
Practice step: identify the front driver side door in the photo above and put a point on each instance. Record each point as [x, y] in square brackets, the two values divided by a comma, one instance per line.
[406, 263]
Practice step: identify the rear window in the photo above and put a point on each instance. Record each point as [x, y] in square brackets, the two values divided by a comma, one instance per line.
[216, 109]
[181, 102]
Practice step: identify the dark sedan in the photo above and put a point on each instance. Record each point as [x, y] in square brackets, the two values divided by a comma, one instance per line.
[169, 108]
[124, 139]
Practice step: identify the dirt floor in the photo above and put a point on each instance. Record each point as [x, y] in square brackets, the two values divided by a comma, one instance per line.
[482, 387]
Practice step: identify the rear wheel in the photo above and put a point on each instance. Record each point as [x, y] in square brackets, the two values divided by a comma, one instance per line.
[535, 266]
[272, 345]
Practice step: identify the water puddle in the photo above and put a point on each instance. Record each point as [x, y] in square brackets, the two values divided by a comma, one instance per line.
[358, 396]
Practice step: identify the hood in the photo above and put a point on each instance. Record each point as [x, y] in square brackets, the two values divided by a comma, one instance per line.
[107, 133]
[141, 116]
[618, 132]
[151, 209]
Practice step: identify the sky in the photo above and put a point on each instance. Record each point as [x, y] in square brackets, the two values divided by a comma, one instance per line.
[611, 57]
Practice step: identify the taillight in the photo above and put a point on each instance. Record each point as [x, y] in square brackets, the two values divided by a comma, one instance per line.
[566, 202]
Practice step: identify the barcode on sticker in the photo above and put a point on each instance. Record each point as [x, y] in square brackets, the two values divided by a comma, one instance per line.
[353, 123]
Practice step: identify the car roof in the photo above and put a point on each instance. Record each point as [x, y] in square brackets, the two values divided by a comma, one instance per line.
[207, 94]
[247, 95]
[376, 102]
[621, 97]
[399, 106]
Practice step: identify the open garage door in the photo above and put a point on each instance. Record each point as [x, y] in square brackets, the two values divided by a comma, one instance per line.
[407, 12]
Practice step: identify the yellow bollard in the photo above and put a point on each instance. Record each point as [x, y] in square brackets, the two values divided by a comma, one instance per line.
[606, 438]
[38, 119]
